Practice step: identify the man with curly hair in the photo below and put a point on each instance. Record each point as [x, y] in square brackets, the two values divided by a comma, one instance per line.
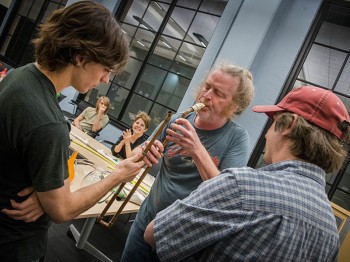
[279, 212]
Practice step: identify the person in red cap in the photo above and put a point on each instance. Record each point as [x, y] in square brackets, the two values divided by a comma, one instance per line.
[279, 212]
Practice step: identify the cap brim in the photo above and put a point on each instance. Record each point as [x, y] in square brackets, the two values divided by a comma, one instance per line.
[268, 110]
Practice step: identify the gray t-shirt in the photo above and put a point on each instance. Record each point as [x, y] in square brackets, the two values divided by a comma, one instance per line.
[178, 176]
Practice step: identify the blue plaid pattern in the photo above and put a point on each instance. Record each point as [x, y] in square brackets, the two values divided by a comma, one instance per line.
[276, 213]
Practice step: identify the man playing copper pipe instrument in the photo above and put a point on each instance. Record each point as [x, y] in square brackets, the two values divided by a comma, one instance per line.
[199, 146]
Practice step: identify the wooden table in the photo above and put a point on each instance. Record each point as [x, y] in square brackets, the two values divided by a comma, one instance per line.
[101, 156]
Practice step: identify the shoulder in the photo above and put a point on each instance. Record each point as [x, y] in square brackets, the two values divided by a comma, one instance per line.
[236, 131]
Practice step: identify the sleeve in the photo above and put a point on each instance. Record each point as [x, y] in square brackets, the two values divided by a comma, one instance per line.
[47, 163]
[116, 143]
[85, 112]
[198, 221]
[237, 151]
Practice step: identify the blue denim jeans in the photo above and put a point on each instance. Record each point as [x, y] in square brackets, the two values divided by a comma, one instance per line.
[136, 249]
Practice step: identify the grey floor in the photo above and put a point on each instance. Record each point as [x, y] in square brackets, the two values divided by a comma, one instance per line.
[61, 248]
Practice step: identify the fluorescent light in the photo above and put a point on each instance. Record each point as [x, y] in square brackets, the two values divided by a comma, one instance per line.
[142, 25]
[124, 32]
[158, 6]
[166, 44]
[182, 58]
[140, 43]
[201, 39]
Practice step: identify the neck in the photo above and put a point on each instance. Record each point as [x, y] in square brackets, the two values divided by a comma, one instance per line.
[137, 135]
[59, 78]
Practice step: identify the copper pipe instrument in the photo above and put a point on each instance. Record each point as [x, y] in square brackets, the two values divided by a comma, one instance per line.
[109, 224]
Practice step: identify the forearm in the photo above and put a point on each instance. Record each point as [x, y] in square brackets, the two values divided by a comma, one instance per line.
[76, 123]
[205, 165]
[96, 126]
[128, 150]
[75, 203]
[119, 147]
[149, 235]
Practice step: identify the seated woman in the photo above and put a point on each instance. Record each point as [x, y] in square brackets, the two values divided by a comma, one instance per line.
[132, 138]
[93, 120]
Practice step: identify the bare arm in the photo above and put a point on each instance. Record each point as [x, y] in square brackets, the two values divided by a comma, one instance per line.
[63, 205]
[77, 120]
[149, 235]
[119, 147]
[184, 134]
[127, 140]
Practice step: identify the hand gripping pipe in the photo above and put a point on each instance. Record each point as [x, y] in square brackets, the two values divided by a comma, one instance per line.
[109, 224]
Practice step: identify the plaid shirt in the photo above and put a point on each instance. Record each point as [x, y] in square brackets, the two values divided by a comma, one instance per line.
[276, 213]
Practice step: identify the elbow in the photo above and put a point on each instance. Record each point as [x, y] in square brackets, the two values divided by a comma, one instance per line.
[60, 216]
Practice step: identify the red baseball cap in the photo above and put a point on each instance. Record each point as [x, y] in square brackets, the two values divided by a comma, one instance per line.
[316, 105]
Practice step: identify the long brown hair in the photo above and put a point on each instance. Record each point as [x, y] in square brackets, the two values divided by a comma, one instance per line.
[84, 28]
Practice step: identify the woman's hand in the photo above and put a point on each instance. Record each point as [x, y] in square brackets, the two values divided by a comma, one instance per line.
[127, 136]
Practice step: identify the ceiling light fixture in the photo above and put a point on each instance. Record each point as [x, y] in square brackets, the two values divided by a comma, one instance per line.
[168, 46]
[201, 39]
[140, 43]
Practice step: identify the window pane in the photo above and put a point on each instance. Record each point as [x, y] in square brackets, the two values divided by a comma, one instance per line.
[14, 24]
[128, 76]
[343, 84]
[164, 52]
[299, 83]
[24, 8]
[151, 80]
[141, 43]
[345, 100]
[330, 177]
[172, 91]
[137, 8]
[202, 29]
[157, 114]
[334, 35]
[322, 66]
[345, 181]
[154, 15]
[92, 96]
[136, 104]
[128, 31]
[213, 6]
[118, 96]
[187, 60]
[190, 4]
[34, 11]
[179, 22]
[50, 8]
[341, 199]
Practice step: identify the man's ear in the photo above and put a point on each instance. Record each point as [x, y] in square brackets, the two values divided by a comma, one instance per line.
[289, 129]
[79, 60]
